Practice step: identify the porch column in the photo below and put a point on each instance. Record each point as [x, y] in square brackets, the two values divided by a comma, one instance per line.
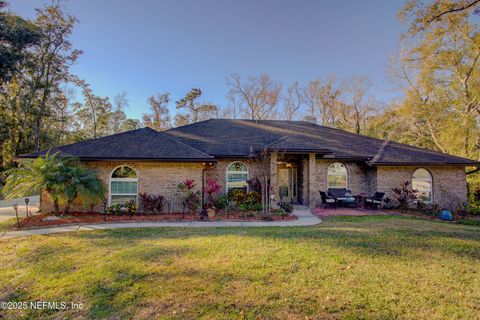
[312, 181]
[273, 179]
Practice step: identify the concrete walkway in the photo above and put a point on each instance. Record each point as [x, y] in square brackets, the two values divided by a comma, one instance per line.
[305, 218]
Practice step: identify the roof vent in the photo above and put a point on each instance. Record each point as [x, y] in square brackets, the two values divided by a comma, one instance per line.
[311, 119]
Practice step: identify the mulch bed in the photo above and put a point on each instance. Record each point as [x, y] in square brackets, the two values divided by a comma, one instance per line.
[94, 217]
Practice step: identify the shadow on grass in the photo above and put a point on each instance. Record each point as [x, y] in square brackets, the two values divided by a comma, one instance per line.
[372, 235]
[128, 263]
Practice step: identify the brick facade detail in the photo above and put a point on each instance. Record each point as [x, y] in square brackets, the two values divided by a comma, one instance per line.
[449, 182]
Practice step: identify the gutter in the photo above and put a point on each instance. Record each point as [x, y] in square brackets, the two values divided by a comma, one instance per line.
[410, 164]
[132, 159]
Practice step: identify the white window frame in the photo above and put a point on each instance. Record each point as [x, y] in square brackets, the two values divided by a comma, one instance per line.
[346, 174]
[236, 172]
[122, 180]
[425, 180]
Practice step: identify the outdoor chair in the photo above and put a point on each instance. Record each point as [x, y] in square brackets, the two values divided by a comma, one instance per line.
[328, 201]
[376, 200]
[343, 197]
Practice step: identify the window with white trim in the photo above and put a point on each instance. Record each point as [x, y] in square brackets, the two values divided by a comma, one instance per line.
[237, 176]
[123, 185]
[337, 176]
[422, 182]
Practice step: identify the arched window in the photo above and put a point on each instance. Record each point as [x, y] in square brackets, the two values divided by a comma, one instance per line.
[337, 176]
[123, 185]
[237, 176]
[422, 182]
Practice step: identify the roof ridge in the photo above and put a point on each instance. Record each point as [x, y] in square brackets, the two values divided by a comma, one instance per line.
[380, 152]
[190, 124]
[183, 143]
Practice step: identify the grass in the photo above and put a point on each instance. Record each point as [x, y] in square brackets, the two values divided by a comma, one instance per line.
[9, 224]
[346, 268]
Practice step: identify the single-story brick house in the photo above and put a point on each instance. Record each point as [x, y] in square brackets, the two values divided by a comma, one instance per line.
[302, 159]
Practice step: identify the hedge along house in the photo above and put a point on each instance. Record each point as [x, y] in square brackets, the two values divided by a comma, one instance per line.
[301, 159]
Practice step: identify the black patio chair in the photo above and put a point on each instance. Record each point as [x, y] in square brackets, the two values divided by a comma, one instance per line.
[328, 201]
[375, 201]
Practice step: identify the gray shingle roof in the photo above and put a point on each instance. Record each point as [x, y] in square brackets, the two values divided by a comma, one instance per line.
[141, 144]
[226, 138]
[216, 138]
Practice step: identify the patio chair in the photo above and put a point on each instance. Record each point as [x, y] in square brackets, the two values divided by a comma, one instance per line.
[327, 201]
[376, 200]
[343, 197]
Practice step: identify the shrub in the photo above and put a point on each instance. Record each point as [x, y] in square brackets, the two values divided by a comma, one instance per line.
[253, 197]
[252, 202]
[466, 209]
[191, 199]
[404, 195]
[287, 207]
[151, 203]
[222, 202]
[131, 207]
[211, 189]
[114, 209]
[237, 196]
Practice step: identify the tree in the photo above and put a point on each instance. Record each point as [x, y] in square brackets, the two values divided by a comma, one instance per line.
[194, 111]
[130, 124]
[293, 101]
[256, 99]
[48, 64]
[159, 118]
[438, 10]
[355, 108]
[322, 99]
[440, 69]
[94, 114]
[16, 37]
[118, 116]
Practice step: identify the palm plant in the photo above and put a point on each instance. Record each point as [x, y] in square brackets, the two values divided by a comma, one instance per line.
[63, 178]
[31, 177]
[79, 182]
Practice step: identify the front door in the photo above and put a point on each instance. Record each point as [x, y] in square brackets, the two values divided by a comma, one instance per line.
[287, 184]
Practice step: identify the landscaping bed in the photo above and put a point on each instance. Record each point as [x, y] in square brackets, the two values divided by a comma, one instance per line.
[49, 219]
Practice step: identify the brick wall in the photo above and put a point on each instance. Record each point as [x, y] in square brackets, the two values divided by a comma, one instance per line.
[219, 172]
[153, 177]
[360, 177]
[449, 183]
[160, 178]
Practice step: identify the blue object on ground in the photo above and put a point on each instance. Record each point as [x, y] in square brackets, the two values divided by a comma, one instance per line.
[446, 215]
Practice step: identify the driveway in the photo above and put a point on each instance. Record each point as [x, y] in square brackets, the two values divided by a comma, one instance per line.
[6, 207]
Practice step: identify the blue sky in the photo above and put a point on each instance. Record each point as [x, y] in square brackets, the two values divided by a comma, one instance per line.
[148, 46]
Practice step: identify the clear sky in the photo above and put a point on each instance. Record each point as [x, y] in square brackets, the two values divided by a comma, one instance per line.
[149, 46]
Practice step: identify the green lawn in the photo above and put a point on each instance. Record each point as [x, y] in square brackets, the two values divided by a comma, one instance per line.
[8, 224]
[347, 268]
